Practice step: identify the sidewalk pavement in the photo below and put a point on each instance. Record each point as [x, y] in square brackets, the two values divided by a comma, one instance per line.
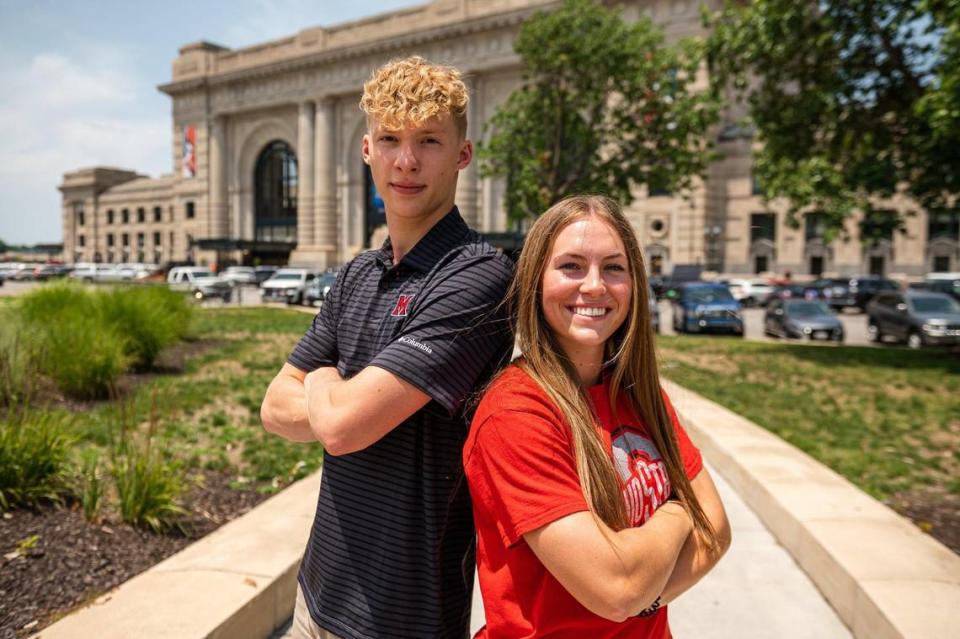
[756, 591]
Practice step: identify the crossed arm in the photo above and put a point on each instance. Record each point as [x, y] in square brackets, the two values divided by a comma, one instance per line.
[344, 415]
[617, 574]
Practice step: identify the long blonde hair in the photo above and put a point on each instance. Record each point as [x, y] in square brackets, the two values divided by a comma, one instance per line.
[630, 358]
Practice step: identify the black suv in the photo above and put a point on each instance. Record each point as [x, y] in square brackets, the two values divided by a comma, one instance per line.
[948, 285]
[919, 318]
[855, 291]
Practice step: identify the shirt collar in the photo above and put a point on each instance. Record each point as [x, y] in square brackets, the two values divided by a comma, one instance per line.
[439, 240]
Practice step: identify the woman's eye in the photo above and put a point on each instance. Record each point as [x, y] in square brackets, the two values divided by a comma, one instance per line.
[569, 266]
[617, 268]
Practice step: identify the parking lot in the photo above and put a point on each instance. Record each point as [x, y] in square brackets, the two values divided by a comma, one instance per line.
[854, 325]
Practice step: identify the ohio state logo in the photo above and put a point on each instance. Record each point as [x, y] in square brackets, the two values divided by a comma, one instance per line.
[643, 474]
[403, 303]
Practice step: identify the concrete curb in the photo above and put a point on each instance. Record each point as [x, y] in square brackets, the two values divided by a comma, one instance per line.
[238, 582]
[885, 578]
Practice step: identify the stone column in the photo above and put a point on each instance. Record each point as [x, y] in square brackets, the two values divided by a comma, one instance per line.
[468, 183]
[325, 187]
[305, 174]
[218, 224]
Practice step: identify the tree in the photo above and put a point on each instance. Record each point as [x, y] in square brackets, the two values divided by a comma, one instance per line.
[853, 101]
[605, 107]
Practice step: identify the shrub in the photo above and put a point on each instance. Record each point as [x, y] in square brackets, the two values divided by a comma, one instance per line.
[33, 458]
[17, 371]
[149, 317]
[70, 340]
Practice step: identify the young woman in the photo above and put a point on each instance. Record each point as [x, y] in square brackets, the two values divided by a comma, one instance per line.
[593, 509]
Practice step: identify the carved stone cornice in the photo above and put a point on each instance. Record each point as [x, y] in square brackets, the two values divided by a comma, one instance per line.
[359, 52]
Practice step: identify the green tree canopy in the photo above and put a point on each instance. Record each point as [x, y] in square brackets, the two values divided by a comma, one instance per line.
[605, 106]
[853, 101]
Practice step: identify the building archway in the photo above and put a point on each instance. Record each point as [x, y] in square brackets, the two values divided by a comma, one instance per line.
[275, 181]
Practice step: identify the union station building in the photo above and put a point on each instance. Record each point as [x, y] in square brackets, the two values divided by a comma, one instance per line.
[266, 164]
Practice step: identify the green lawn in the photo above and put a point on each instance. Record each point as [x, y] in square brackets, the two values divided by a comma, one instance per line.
[888, 419]
[208, 416]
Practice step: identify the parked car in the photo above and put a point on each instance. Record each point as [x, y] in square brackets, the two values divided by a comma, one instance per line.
[125, 272]
[793, 292]
[948, 283]
[750, 292]
[919, 318]
[50, 271]
[654, 310]
[263, 273]
[802, 319]
[319, 288]
[287, 285]
[239, 275]
[854, 291]
[701, 307]
[90, 272]
[200, 282]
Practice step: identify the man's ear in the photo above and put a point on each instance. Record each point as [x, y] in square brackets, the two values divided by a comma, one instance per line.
[466, 155]
[365, 149]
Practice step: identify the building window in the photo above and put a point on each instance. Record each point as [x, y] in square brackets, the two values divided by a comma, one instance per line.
[941, 263]
[125, 216]
[170, 244]
[157, 239]
[141, 215]
[816, 265]
[157, 214]
[763, 226]
[81, 241]
[125, 238]
[876, 265]
[140, 239]
[878, 225]
[814, 226]
[109, 239]
[78, 213]
[755, 186]
[275, 193]
[189, 211]
[760, 264]
[171, 213]
[109, 216]
[945, 224]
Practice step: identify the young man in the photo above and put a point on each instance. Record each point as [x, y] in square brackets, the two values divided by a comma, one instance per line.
[381, 379]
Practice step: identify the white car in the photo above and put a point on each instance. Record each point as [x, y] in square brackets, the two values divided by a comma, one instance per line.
[200, 282]
[90, 272]
[239, 275]
[753, 292]
[287, 285]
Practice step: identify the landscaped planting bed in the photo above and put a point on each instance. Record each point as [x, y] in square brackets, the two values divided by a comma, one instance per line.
[886, 419]
[100, 481]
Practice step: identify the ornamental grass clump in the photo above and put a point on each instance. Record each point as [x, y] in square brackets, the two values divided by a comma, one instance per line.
[148, 486]
[150, 318]
[17, 370]
[71, 342]
[34, 452]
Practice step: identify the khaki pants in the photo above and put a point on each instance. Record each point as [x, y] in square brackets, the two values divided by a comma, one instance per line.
[303, 625]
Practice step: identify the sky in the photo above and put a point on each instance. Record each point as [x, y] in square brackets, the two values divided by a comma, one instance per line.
[78, 86]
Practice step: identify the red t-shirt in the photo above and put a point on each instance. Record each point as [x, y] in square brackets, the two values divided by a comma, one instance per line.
[522, 474]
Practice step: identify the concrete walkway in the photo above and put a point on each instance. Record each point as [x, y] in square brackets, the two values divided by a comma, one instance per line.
[756, 592]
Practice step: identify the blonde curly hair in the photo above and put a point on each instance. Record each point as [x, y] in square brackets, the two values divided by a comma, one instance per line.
[410, 91]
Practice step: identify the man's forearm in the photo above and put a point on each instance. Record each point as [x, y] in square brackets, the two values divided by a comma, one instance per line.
[284, 410]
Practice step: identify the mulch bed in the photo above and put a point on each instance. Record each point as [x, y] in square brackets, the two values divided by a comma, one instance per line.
[74, 561]
[934, 513]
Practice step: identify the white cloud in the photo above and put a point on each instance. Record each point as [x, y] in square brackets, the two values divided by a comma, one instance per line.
[63, 114]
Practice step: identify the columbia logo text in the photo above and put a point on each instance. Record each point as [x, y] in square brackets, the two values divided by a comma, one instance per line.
[412, 342]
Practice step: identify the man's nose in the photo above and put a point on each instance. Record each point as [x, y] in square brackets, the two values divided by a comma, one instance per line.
[407, 158]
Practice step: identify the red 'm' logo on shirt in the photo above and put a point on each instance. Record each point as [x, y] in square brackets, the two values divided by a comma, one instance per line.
[403, 302]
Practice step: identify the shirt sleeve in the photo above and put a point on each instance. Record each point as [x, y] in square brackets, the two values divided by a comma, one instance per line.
[522, 470]
[318, 347]
[456, 331]
[689, 454]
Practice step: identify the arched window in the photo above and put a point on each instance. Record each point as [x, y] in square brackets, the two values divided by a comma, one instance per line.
[275, 193]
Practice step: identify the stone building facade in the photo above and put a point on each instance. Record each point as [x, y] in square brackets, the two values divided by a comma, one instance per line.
[267, 167]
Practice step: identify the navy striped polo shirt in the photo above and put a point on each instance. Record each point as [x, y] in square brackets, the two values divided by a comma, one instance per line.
[391, 549]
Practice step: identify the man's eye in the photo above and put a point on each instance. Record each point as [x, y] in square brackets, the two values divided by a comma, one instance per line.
[431, 141]
[387, 138]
